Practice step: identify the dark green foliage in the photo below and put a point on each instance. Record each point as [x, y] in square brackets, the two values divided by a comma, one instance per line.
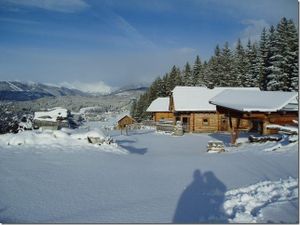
[198, 73]
[187, 75]
[271, 64]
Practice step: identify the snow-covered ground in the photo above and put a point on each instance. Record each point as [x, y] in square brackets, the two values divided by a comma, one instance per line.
[157, 178]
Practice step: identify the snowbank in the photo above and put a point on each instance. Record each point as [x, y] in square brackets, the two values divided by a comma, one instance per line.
[289, 129]
[62, 139]
[244, 205]
[96, 133]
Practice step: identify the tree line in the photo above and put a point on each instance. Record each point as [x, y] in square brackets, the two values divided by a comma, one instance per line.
[270, 64]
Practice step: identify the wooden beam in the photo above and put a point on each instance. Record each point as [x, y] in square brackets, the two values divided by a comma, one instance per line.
[230, 121]
[238, 123]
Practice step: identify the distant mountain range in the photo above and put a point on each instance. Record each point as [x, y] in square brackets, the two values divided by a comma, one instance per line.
[21, 91]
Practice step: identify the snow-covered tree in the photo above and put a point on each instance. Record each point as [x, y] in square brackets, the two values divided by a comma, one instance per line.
[214, 71]
[292, 56]
[274, 70]
[240, 62]
[197, 74]
[227, 77]
[251, 78]
[263, 59]
[187, 75]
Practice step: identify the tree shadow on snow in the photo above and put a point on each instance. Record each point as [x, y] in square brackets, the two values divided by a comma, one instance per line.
[202, 201]
[130, 148]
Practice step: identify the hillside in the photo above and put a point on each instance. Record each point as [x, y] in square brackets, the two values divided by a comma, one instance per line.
[19, 91]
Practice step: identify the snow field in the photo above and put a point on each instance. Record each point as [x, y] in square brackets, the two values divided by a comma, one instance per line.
[244, 205]
[145, 185]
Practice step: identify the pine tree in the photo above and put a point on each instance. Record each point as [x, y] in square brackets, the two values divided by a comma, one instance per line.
[292, 56]
[214, 69]
[166, 83]
[187, 75]
[239, 64]
[173, 79]
[282, 55]
[197, 74]
[178, 78]
[228, 78]
[274, 62]
[263, 59]
[207, 75]
[252, 66]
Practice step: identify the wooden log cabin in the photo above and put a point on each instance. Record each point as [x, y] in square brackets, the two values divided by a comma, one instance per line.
[160, 109]
[260, 108]
[190, 105]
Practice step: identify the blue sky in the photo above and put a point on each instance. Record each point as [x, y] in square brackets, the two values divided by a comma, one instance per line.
[119, 42]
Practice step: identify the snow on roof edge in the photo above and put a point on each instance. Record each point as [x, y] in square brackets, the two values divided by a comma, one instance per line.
[274, 109]
[160, 104]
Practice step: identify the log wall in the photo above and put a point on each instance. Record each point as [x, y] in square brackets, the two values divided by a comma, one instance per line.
[163, 116]
[205, 122]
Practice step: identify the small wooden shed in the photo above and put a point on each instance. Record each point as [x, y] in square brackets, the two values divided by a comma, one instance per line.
[125, 121]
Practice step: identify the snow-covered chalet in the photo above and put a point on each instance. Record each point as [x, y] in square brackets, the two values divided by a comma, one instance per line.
[261, 108]
[54, 118]
[191, 106]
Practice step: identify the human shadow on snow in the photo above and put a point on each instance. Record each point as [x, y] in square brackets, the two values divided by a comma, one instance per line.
[202, 201]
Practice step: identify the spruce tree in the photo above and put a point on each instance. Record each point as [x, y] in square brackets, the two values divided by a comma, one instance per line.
[263, 59]
[274, 62]
[214, 70]
[207, 75]
[187, 75]
[227, 76]
[292, 56]
[282, 54]
[239, 64]
[197, 74]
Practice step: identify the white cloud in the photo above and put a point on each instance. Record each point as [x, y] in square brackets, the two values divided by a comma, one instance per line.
[133, 35]
[253, 30]
[67, 6]
[95, 87]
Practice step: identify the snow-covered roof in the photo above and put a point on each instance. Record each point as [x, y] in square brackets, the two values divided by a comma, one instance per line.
[51, 114]
[261, 101]
[159, 105]
[120, 118]
[197, 98]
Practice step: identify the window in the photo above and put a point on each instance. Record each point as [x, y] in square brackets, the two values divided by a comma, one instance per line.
[205, 122]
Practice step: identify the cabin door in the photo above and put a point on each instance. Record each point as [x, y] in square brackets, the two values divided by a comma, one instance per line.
[224, 124]
[186, 124]
[257, 126]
